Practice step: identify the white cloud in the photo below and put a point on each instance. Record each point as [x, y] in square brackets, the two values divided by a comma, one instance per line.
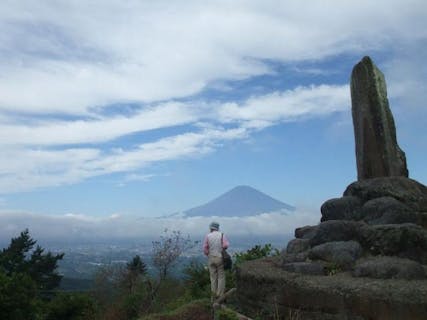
[69, 57]
[97, 130]
[289, 105]
[36, 165]
[257, 111]
[71, 227]
[139, 177]
[33, 168]
[68, 60]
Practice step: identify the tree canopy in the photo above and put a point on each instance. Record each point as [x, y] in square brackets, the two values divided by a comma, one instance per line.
[19, 257]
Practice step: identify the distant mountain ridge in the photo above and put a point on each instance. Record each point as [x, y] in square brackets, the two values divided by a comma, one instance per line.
[241, 201]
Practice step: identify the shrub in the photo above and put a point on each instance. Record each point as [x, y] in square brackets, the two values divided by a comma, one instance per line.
[226, 314]
[256, 252]
[197, 280]
[71, 306]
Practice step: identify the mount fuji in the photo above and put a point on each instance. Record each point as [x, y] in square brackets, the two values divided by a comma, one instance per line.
[241, 201]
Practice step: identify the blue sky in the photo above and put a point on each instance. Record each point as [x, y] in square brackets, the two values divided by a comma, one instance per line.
[147, 108]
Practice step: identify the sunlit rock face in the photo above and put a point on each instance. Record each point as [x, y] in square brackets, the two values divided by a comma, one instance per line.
[377, 151]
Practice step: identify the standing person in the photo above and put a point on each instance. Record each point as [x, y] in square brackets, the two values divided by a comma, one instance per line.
[212, 247]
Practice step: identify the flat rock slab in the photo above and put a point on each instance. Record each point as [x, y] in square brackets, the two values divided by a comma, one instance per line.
[263, 287]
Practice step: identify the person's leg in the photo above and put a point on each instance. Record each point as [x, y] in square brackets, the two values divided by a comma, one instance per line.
[221, 278]
[213, 272]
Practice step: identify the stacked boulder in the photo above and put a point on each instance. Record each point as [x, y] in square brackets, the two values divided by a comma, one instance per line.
[367, 258]
[378, 228]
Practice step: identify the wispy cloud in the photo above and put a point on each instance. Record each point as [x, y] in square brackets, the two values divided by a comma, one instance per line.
[98, 130]
[289, 105]
[38, 165]
[65, 64]
[70, 57]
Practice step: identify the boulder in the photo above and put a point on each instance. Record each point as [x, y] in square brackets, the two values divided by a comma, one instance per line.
[347, 207]
[382, 267]
[422, 219]
[336, 230]
[403, 240]
[377, 151]
[408, 191]
[298, 245]
[343, 254]
[387, 210]
[313, 268]
[306, 232]
[294, 257]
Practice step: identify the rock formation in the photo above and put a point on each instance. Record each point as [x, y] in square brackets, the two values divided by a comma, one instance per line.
[367, 259]
[377, 151]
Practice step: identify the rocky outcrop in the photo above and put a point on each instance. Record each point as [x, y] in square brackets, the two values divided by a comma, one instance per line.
[367, 258]
[377, 151]
[265, 290]
[389, 268]
[407, 191]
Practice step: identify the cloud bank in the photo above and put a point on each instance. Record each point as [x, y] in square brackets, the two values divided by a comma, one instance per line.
[81, 228]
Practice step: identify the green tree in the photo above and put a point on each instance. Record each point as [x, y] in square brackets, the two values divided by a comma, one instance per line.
[123, 291]
[26, 274]
[135, 271]
[39, 266]
[18, 299]
[71, 306]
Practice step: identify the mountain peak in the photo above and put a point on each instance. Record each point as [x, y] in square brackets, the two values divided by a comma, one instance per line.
[240, 201]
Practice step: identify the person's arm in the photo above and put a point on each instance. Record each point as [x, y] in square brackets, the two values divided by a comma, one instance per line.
[206, 245]
[225, 242]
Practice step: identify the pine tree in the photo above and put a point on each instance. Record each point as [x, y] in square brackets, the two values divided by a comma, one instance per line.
[26, 274]
[135, 269]
[41, 267]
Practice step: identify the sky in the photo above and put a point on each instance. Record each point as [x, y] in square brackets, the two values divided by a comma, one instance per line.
[121, 111]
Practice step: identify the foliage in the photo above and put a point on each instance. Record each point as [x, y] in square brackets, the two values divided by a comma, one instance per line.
[27, 278]
[18, 299]
[226, 314]
[194, 310]
[137, 266]
[332, 269]
[197, 280]
[256, 252]
[134, 273]
[71, 306]
[134, 304]
[167, 250]
[123, 292]
[40, 266]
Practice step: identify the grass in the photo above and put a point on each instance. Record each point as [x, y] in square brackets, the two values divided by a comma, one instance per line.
[195, 310]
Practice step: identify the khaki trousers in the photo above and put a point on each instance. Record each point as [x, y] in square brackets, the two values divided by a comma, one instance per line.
[216, 271]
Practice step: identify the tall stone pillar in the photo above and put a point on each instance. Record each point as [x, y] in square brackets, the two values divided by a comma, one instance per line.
[377, 151]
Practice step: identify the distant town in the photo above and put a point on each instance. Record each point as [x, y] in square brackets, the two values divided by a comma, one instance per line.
[81, 262]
